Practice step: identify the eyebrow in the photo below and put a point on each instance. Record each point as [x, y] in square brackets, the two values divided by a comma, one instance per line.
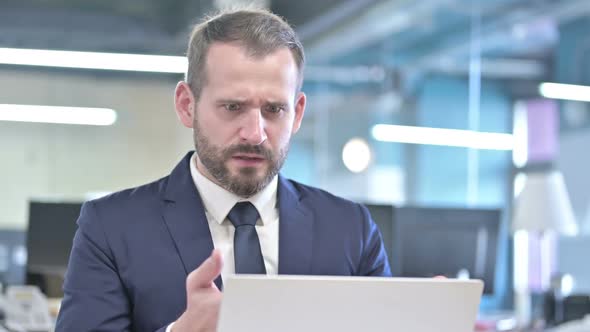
[245, 101]
[230, 101]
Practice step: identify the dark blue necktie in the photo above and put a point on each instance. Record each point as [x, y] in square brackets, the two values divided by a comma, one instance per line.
[247, 254]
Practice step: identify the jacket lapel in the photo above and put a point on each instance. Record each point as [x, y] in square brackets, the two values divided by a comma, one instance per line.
[295, 231]
[184, 215]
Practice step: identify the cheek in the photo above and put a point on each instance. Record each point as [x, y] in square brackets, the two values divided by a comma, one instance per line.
[279, 136]
[218, 131]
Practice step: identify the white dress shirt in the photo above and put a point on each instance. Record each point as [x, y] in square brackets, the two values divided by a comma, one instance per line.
[218, 202]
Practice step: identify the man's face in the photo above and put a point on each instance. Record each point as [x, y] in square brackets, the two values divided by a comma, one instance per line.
[245, 116]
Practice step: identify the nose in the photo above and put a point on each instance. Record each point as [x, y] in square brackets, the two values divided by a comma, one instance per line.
[253, 129]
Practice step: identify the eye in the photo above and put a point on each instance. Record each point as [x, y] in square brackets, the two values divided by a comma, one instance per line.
[232, 107]
[273, 108]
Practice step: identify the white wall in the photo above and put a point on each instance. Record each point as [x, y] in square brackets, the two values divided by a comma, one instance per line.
[49, 161]
[574, 162]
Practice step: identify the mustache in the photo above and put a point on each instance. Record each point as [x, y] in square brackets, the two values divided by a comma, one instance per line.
[249, 149]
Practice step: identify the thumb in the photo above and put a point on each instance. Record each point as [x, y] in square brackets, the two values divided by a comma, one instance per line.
[205, 274]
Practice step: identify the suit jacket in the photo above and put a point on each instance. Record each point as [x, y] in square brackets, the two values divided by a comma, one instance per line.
[134, 249]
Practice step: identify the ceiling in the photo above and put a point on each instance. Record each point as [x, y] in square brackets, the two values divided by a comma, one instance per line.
[147, 26]
[516, 38]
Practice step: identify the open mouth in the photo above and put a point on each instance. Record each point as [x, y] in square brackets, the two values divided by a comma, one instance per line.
[248, 156]
[248, 159]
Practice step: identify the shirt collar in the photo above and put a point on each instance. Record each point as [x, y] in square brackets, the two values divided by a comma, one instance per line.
[218, 201]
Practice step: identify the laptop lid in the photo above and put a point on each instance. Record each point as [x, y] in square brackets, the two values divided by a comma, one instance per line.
[348, 304]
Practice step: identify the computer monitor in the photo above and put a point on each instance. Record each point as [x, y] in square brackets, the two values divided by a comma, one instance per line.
[429, 241]
[52, 226]
[13, 256]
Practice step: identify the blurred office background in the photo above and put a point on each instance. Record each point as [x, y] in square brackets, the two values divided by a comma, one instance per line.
[475, 66]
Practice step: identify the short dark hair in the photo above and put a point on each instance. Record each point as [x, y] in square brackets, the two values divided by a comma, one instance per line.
[259, 31]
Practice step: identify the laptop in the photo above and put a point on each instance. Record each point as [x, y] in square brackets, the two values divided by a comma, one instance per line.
[348, 304]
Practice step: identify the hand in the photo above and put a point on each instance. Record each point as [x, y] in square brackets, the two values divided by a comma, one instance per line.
[203, 298]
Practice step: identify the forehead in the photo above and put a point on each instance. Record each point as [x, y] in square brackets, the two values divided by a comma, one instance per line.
[229, 63]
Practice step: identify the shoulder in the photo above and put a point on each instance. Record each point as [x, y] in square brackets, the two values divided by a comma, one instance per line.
[310, 192]
[137, 195]
[125, 205]
[323, 202]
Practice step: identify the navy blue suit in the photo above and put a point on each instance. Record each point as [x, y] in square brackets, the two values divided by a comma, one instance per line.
[133, 250]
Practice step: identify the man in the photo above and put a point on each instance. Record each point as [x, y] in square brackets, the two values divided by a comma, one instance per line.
[143, 258]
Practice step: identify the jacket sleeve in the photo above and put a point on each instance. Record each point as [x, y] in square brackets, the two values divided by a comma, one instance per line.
[94, 296]
[374, 260]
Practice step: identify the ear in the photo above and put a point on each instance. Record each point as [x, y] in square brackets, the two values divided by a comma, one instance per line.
[299, 111]
[184, 103]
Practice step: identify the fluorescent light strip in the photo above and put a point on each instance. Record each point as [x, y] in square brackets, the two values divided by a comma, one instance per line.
[94, 60]
[58, 114]
[443, 137]
[565, 91]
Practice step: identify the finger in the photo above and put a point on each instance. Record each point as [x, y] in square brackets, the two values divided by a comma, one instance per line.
[206, 273]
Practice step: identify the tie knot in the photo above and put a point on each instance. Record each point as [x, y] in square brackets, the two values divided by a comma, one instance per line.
[243, 213]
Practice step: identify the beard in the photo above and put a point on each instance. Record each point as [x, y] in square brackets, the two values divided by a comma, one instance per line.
[246, 183]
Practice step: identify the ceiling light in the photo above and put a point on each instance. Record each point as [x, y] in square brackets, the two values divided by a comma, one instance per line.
[565, 91]
[58, 114]
[356, 155]
[94, 60]
[443, 137]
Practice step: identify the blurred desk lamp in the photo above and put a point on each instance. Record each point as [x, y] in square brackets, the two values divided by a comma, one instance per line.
[541, 211]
